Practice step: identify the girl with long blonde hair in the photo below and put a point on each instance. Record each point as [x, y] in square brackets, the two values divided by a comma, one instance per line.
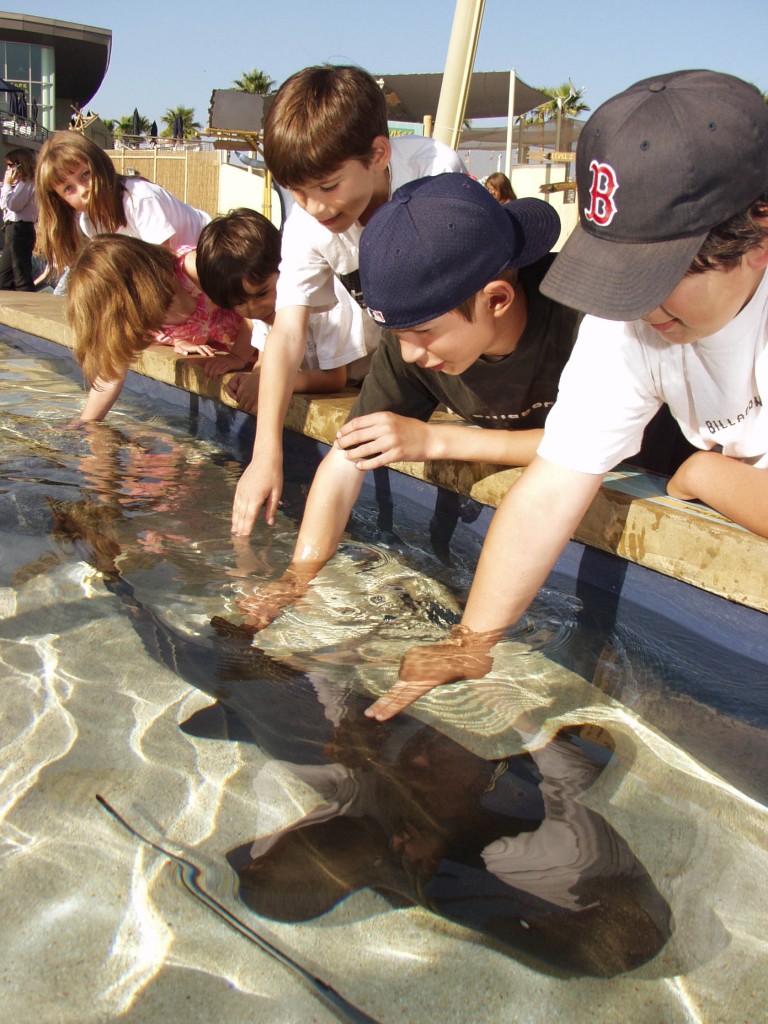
[80, 194]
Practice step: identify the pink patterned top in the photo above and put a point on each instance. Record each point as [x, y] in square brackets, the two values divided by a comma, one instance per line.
[207, 324]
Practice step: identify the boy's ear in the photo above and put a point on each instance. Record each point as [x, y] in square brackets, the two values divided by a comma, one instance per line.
[500, 296]
[758, 257]
[381, 152]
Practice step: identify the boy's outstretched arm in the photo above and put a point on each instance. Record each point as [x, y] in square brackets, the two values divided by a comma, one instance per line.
[736, 489]
[383, 437]
[531, 527]
[262, 481]
[331, 498]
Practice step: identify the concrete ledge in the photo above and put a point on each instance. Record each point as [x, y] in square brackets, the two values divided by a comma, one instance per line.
[631, 517]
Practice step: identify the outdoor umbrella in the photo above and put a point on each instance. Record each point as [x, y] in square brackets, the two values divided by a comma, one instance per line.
[34, 110]
[178, 128]
[14, 103]
[153, 131]
[22, 104]
[136, 126]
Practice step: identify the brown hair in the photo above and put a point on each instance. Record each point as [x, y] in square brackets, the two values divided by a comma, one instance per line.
[501, 185]
[725, 244]
[25, 163]
[321, 117]
[59, 237]
[243, 246]
[466, 309]
[119, 290]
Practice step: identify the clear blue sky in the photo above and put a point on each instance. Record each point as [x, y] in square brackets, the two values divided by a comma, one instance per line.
[167, 53]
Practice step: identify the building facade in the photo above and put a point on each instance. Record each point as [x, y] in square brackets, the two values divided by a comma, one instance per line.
[50, 69]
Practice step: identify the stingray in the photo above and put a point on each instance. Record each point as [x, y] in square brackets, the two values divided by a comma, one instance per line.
[504, 847]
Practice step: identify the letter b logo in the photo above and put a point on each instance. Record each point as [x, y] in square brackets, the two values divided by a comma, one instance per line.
[602, 208]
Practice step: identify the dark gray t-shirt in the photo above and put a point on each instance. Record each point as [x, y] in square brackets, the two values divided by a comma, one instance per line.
[515, 392]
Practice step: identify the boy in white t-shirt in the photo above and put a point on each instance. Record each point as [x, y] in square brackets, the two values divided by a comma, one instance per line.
[238, 261]
[326, 139]
[669, 259]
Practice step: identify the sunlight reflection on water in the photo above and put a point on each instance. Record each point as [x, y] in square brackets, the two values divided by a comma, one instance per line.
[127, 692]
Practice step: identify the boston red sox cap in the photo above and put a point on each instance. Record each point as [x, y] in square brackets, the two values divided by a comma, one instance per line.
[657, 167]
[439, 240]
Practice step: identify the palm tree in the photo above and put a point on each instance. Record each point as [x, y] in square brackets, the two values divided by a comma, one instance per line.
[123, 128]
[565, 97]
[255, 81]
[187, 114]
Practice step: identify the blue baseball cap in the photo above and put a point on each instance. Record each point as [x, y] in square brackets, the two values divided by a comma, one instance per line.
[439, 241]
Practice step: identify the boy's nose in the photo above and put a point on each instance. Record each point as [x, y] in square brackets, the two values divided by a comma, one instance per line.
[315, 207]
[411, 353]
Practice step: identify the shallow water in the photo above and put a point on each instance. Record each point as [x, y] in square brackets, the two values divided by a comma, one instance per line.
[398, 890]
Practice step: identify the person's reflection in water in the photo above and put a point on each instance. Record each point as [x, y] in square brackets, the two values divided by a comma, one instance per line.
[502, 847]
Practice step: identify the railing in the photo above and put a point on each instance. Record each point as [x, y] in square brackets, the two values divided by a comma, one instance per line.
[22, 128]
[147, 142]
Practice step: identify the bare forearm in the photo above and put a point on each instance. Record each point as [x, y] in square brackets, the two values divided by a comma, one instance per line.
[242, 344]
[734, 488]
[471, 444]
[279, 364]
[529, 530]
[332, 496]
[101, 397]
[380, 438]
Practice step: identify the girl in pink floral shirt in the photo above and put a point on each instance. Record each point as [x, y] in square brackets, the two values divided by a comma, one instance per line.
[125, 294]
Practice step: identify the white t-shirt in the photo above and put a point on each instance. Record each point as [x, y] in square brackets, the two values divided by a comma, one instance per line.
[155, 215]
[620, 373]
[311, 254]
[336, 337]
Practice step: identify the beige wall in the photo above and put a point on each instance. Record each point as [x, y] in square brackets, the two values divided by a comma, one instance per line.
[201, 178]
[192, 176]
[526, 180]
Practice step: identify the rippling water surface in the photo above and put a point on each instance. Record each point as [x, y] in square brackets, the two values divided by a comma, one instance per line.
[196, 824]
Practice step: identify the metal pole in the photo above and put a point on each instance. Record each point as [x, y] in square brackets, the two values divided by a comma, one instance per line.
[510, 123]
[467, 18]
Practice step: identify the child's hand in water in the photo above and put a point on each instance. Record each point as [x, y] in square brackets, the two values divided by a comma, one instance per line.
[266, 604]
[466, 655]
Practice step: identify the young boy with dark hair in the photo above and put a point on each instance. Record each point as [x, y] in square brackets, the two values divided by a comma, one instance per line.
[454, 276]
[238, 261]
[326, 139]
[670, 259]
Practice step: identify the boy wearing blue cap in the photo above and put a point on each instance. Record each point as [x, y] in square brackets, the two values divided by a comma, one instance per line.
[455, 278]
[670, 260]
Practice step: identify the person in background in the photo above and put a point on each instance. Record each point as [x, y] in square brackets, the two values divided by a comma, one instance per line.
[500, 187]
[81, 195]
[125, 294]
[238, 262]
[326, 138]
[19, 207]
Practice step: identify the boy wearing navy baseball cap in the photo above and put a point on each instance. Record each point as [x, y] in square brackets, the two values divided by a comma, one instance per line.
[454, 276]
[670, 260]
